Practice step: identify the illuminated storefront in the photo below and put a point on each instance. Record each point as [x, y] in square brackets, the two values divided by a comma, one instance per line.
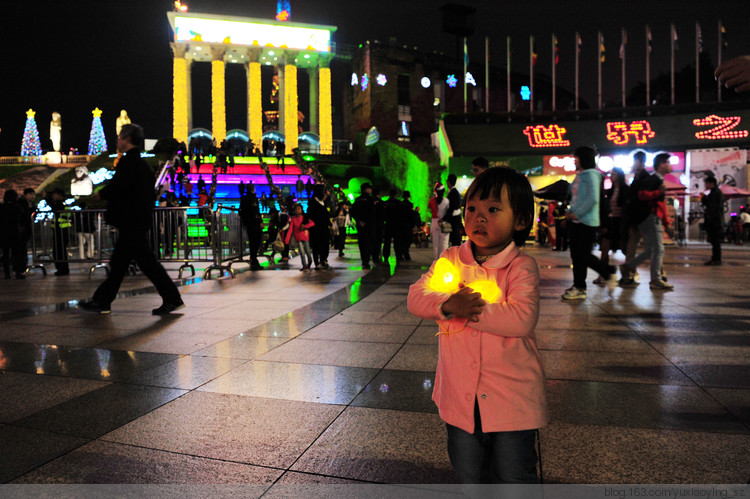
[223, 40]
[697, 142]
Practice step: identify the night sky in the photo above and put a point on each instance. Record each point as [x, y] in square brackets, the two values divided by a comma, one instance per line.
[72, 56]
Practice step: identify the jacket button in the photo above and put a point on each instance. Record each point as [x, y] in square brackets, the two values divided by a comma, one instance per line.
[484, 395]
[473, 365]
[468, 397]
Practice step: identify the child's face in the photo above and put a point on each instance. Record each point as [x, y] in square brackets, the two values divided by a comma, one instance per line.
[490, 223]
[298, 210]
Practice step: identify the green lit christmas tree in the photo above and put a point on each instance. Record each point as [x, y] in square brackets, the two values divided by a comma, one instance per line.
[97, 142]
[31, 145]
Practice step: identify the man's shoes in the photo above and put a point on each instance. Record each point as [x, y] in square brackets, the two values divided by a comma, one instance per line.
[627, 282]
[60, 272]
[713, 262]
[168, 308]
[599, 281]
[20, 276]
[661, 285]
[573, 293]
[366, 266]
[93, 306]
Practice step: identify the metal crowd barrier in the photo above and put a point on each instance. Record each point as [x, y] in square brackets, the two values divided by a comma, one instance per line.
[187, 235]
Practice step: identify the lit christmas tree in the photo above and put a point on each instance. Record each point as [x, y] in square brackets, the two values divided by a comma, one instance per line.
[97, 142]
[31, 145]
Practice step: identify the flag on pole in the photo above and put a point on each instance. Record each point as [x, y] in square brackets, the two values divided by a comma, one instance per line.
[557, 50]
[602, 50]
[579, 43]
[724, 42]
[623, 43]
[674, 37]
[534, 54]
[648, 39]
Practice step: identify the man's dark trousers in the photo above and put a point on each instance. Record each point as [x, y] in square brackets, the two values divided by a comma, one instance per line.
[134, 246]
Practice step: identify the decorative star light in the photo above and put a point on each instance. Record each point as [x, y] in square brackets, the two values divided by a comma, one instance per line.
[470, 79]
[365, 82]
[355, 79]
[451, 81]
[381, 79]
[97, 113]
[30, 113]
[525, 92]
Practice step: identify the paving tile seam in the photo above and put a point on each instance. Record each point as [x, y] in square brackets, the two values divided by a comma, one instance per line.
[186, 454]
[654, 428]
[50, 460]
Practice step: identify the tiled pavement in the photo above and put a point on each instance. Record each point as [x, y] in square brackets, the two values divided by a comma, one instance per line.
[279, 377]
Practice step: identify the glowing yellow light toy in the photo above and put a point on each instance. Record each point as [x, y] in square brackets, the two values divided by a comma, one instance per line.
[446, 279]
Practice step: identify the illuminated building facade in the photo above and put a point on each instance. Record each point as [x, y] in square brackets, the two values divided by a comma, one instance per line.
[403, 91]
[252, 42]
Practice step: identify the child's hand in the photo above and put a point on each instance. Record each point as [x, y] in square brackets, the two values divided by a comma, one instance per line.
[464, 303]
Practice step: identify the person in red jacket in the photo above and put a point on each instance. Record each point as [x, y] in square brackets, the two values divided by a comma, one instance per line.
[651, 191]
[298, 227]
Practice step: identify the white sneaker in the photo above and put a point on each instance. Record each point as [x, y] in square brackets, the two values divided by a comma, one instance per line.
[661, 285]
[573, 293]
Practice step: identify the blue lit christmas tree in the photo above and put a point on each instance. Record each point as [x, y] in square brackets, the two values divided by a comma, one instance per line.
[31, 145]
[97, 142]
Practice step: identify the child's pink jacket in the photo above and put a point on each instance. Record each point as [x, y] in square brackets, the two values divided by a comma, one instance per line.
[298, 229]
[495, 360]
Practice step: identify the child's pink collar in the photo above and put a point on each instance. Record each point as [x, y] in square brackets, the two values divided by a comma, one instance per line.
[502, 259]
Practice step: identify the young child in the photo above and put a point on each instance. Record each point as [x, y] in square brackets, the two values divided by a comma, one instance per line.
[298, 227]
[489, 385]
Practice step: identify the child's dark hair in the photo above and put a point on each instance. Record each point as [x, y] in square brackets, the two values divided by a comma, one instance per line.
[490, 183]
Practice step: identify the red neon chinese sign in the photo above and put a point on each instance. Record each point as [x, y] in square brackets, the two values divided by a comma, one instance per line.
[542, 136]
[721, 128]
[620, 132]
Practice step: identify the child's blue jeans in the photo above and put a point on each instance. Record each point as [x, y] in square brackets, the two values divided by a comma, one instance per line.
[304, 253]
[496, 457]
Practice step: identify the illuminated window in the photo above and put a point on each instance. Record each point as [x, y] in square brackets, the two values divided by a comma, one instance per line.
[721, 128]
[451, 81]
[525, 92]
[620, 132]
[542, 136]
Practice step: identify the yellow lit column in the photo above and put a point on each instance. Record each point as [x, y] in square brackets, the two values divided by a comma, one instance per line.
[326, 121]
[218, 93]
[189, 91]
[180, 92]
[291, 131]
[254, 101]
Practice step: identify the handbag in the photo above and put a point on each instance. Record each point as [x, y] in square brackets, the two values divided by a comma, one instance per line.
[445, 227]
[278, 244]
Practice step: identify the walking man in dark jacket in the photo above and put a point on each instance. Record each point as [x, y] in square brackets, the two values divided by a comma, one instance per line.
[713, 204]
[363, 211]
[130, 197]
